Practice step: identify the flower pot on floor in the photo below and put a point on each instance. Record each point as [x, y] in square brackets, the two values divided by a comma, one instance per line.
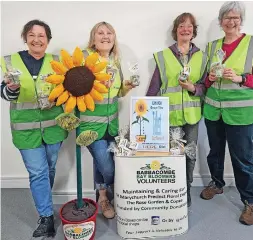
[78, 229]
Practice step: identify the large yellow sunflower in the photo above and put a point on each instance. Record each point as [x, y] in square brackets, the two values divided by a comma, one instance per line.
[78, 81]
[141, 107]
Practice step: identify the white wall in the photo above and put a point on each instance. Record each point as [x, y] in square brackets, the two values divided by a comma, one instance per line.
[142, 28]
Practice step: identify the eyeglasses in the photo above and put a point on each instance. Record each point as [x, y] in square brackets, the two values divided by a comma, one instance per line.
[235, 19]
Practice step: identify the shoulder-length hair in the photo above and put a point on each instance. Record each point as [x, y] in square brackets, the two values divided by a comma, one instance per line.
[115, 48]
[182, 18]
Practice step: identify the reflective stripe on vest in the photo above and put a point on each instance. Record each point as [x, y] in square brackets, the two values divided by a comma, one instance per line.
[7, 60]
[85, 53]
[107, 101]
[227, 104]
[33, 125]
[98, 119]
[212, 52]
[185, 105]
[163, 70]
[173, 89]
[232, 86]
[23, 106]
[249, 57]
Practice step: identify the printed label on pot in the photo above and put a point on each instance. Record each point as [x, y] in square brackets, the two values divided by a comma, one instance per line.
[82, 231]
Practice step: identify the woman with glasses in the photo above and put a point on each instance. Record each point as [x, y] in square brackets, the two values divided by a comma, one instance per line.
[228, 108]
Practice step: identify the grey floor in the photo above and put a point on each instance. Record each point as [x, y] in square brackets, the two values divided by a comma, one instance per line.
[216, 219]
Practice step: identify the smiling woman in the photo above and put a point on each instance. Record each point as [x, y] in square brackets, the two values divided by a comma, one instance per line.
[184, 66]
[228, 108]
[104, 119]
[36, 37]
[34, 129]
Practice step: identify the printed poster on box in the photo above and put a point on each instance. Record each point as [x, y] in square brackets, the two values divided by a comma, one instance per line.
[149, 123]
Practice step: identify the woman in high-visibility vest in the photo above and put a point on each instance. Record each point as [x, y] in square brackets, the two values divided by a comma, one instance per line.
[228, 108]
[184, 95]
[34, 129]
[104, 119]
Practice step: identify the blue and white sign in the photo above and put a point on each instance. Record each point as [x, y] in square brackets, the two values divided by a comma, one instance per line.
[149, 123]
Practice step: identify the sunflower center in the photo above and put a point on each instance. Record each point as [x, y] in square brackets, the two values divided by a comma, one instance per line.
[79, 81]
[141, 108]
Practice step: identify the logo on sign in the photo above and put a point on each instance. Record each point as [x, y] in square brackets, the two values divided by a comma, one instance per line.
[82, 231]
[156, 172]
[155, 220]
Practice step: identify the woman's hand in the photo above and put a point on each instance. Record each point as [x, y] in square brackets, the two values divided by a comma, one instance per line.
[12, 86]
[231, 75]
[212, 77]
[188, 85]
[128, 85]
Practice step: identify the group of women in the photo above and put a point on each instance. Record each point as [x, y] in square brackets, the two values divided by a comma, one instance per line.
[225, 101]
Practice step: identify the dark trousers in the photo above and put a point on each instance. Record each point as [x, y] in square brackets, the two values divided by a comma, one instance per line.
[191, 135]
[240, 144]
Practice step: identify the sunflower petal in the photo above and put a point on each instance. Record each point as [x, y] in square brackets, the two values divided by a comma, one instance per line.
[89, 102]
[62, 98]
[81, 104]
[70, 104]
[66, 59]
[91, 60]
[100, 87]
[78, 57]
[96, 95]
[103, 77]
[55, 79]
[99, 67]
[58, 67]
[56, 92]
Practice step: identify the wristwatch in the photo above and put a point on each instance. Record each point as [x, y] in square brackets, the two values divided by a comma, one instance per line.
[243, 80]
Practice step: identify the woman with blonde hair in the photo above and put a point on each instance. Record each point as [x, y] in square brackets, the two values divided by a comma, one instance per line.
[104, 119]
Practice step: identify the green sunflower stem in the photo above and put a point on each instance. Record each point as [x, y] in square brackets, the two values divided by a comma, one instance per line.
[140, 126]
[80, 202]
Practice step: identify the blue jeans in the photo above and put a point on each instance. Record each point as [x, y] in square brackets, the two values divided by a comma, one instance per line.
[240, 144]
[40, 163]
[103, 164]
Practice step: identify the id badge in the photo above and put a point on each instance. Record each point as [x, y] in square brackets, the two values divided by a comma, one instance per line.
[43, 93]
[112, 72]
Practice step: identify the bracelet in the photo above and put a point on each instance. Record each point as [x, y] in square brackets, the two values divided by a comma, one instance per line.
[243, 80]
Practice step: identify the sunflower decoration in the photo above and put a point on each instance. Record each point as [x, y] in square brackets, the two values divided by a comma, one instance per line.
[79, 82]
[141, 108]
[155, 165]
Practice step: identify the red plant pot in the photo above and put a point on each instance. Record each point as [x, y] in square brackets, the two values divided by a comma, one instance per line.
[81, 230]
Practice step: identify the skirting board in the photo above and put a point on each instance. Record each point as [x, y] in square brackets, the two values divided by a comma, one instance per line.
[59, 197]
[63, 197]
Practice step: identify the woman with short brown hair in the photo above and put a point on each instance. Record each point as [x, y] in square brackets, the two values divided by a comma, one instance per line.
[179, 75]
